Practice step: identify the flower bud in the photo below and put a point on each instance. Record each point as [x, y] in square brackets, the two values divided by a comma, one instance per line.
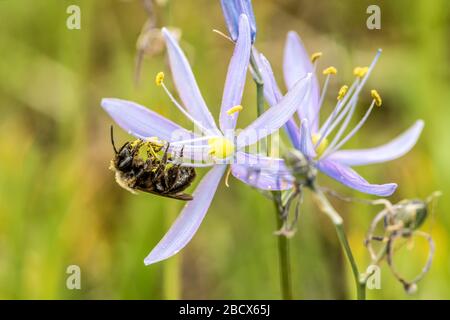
[232, 9]
[412, 213]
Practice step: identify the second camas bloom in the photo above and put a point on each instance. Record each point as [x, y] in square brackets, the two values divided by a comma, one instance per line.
[313, 139]
[215, 147]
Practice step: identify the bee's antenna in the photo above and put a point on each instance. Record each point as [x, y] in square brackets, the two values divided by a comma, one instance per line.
[112, 140]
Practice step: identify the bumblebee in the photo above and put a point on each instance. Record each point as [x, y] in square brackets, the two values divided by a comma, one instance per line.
[156, 174]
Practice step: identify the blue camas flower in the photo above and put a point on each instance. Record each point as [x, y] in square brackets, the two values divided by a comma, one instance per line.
[214, 147]
[232, 9]
[313, 140]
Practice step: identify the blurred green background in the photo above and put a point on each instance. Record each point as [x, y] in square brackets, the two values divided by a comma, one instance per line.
[61, 206]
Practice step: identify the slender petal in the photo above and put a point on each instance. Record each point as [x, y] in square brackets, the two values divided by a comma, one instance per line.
[275, 117]
[189, 220]
[141, 122]
[264, 179]
[389, 151]
[186, 84]
[260, 162]
[296, 65]
[273, 95]
[237, 71]
[350, 178]
[306, 144]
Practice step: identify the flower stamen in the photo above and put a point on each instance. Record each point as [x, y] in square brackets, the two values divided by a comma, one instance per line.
[227, 176]
[329, 70]
[360, 71]
[315, 56]
[160, 82]
[376, 97]
[234, 109]
[346, 106]
[159, 78]
[342, 91]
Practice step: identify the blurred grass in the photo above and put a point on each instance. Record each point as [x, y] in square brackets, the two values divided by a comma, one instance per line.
[59, 202]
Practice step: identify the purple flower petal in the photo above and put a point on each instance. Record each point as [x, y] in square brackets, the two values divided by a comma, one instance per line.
[142, 122]
[350, 178]
[272, 92]
[273, 95]
[186, 84]
[260, 161]
[189, 220]
[296, 65]
[237, 71]
[262, 178]
[306, 144]
[389, 151]
[276, 116]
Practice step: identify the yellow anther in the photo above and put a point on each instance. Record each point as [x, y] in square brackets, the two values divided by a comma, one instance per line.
[330, 70]
[159, 78]
[322, 146]
[227, 176]
[376, 96]
[220, 147]
[342, 91]
[234, 109]
[360, 71]
[315, 56]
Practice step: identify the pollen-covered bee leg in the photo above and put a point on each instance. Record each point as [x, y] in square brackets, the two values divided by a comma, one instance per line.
[181, 155]
[162, 163]
[176, 169]
[151, 151]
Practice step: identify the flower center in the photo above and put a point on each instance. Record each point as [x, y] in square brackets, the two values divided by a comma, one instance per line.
[322, 146]
[220, 147]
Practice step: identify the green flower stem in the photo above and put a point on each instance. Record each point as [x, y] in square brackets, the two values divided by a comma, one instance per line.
[283, 244]
[283, 252]
[328, 209]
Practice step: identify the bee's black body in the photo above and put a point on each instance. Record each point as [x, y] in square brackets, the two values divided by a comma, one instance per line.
[153, 175]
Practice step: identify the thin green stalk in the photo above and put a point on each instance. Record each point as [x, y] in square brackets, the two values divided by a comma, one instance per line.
[328, 209]
[283, 244]
[283, 253]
